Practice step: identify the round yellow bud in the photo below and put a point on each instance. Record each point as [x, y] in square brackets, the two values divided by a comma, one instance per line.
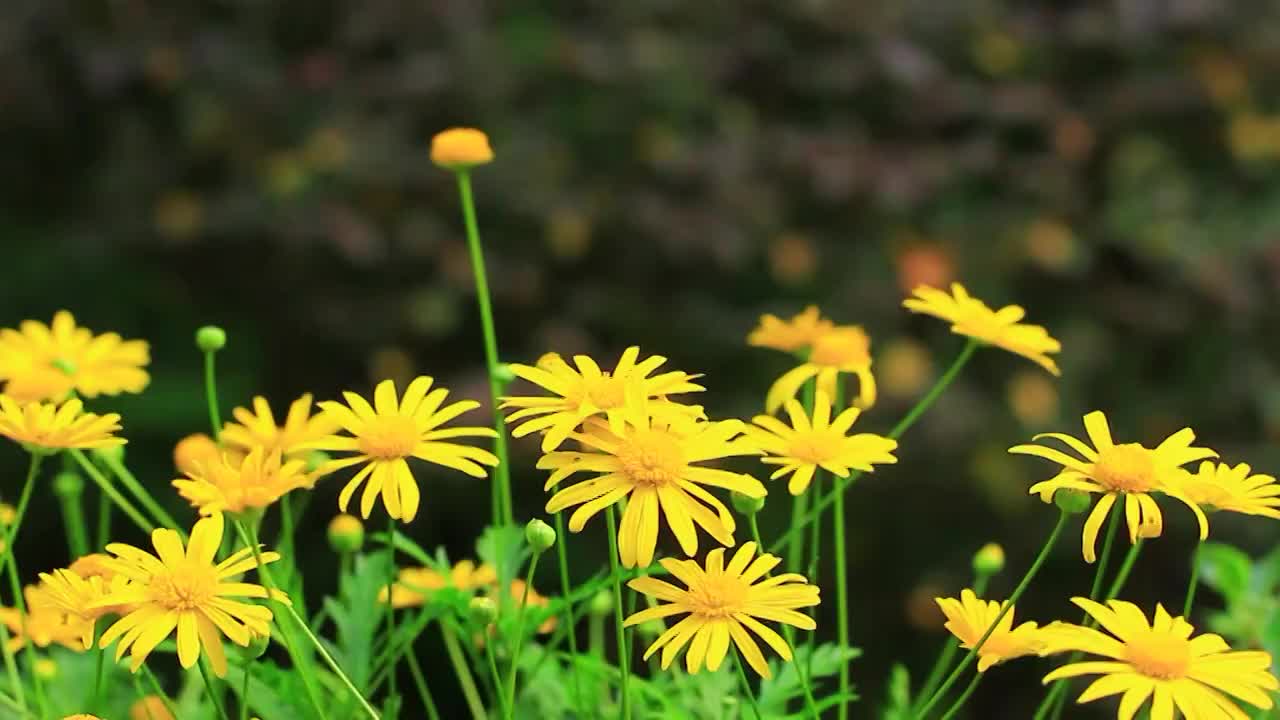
[193, 451]
[7, 514]
[460, 148]
[346, 533]
[989, 559]
[150, 707]
[46, 669]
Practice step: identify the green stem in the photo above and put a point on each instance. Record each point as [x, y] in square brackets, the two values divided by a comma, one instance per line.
[391, 612]
[898, 430]
[1060, 704]
[947, 652]
[842, 604]
[495, 678]
[801, 667]
[563, 556]
[502, 484]
[463, 673]
[264, 572]
[11, 561]
[73, 524]
[1125, 567]
[244, 695]
[964, 696]
[159, 691]
[11, 667]
[104, 521]
[515, 654]
[624, 657]
[424, 692]
[138, 491]
[211, 691]
[105, 485]
[1195, 579]
[746, 685]
[1004, 610]
[99, 667]
[211, 395]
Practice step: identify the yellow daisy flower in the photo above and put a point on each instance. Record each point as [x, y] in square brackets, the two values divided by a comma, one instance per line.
[415, 585]
[460, 147]
[184, 589]
[971, 317]
[586, 391]
[230, 485]
[845, 349]
[1218, 486]
[386, 434]
[1129, 470]
[653, 463]
[43, 624]
[793, 335]
[968, 619]
[66, 592]
[722, 603]
[821, 442]
[257, 428]
[1161, 661]
[45, 362]
[49, 426]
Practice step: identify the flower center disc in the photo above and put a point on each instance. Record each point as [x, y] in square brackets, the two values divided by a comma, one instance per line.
[1159, 656]
[1126, 468]
[813, 447]
[387, 438]
[718, 597]
[186, 587]
[651, 457]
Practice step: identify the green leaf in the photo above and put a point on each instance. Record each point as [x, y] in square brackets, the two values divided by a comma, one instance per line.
[1226, 569]
[504, 548]
[784, 687]
[898, 706]
[357, 616]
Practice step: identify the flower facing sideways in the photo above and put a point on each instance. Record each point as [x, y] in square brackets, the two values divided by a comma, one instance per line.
[414, 585]
[43, 625]
[655, 465]
[1002, 328]
[968, 619]
[386, 434]
[1160, 661]
[808, 444]
[49, 426]
[235, 485]
[586, 391]
[257, 428]
[794, 335]
[721, 603]
[845, 349]
[184, 590]
[45, 362]
[1129, 471]
[1220, 487]
[67, 592]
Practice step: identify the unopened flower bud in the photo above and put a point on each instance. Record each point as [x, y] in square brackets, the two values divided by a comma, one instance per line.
[68, 485]
[460, 148]
[746, 504]
[989, 559]
[1072, 501]
[7, 514]
[46, 669]
[602, 603]
[256, 648]
[504, 374]
[346, 533]
[211, 338]
[540, 535]
[483, 611]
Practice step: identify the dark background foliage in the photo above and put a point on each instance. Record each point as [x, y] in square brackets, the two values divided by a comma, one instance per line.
[667, 171]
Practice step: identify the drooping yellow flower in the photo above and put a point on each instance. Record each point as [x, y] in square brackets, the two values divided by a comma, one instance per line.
[820, 442]
[845, 349]
[66, 592]
[1128, 470]
[1002, 328]
[230, 485]
[185, 590]
[587, 391]
[414, 585]
[1161, 661]
[1218, 486]
[722, 603]
[48, 427]
[386, 434]
[257, 428]
[460, 147]
[794, 335]
[968, 619]
[195, 450]
[45, 362]
[654, 464]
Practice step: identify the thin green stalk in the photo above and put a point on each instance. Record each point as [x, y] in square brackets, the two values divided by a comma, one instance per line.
[463, 673]
[304, 668]
[1126, 566]
[515, 654]
[73, 523]
[13, 705]
[11, 561]
[211, 395]
[244, 696]
[1060, 702]
[496, 679]
[746, 685]
[898, 430]
[502, 484]
[211, 691]
[138, 491]
[159, 691]
[99, 667]
[105, 485]
[947, 652]
[286, 526]
[1004, 610]
[563, 556]
[391, 613]
[1195, 579]
[424, 692]
[842, 584]
[11, 667]
[964, 696]
[801, 667]
[104, 520]
[624, 656]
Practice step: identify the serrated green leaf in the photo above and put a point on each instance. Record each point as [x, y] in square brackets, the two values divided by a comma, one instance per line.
[357, 616]
[505, 549]
[1226, 569]
[784, 687]
[898, 694]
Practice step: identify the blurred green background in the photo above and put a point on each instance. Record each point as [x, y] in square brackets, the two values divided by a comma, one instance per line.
[666, 172]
